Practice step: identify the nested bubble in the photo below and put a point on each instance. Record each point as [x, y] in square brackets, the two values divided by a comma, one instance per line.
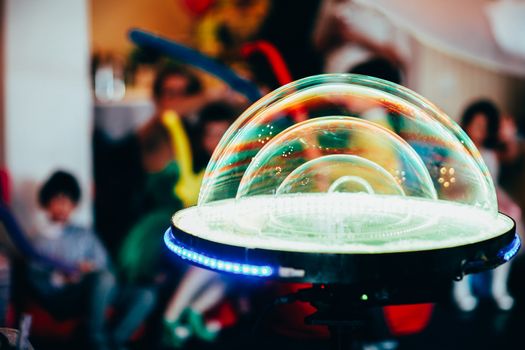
[340, 173]
[330, 154]
[454, 165]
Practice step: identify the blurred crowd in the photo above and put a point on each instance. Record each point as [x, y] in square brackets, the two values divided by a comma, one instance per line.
[117, 279]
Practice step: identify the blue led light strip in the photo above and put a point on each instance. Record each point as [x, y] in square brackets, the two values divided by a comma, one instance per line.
[511, 250]
[213, 263]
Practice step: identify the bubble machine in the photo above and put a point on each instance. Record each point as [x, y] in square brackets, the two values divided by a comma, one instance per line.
[354, 184]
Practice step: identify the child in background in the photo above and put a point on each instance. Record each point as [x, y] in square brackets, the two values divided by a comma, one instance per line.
[348, 33]
[177, 93]
[122, 168]
[482, 123]
[140, 255]
[200, 290]
[89, 287]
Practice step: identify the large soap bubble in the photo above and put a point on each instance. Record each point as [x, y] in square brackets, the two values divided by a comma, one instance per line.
[345, 164]
[325, 153]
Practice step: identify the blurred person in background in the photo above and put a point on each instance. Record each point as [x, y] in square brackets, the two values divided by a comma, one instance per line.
[200, 290]
[142, 257]
[348, 33]
[511, 141]
[125, 169]
[178, 94]
[90, 287]
[167, 150]
[293, 38]
[139, 255]
[179, 89]
[490, 133]
[512, 159]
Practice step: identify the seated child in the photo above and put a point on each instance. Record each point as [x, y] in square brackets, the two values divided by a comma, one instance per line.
[89, 287]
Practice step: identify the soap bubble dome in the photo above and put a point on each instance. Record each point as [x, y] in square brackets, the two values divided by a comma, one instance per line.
[345, 164]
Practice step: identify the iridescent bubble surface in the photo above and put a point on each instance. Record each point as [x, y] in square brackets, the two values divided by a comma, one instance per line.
[345, 163]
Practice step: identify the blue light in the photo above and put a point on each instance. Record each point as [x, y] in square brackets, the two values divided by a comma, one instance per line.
[216, 264]
[509, 252]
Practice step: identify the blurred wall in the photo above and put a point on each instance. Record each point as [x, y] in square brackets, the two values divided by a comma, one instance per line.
[451, 83]
[112, 19]
[47, 97]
